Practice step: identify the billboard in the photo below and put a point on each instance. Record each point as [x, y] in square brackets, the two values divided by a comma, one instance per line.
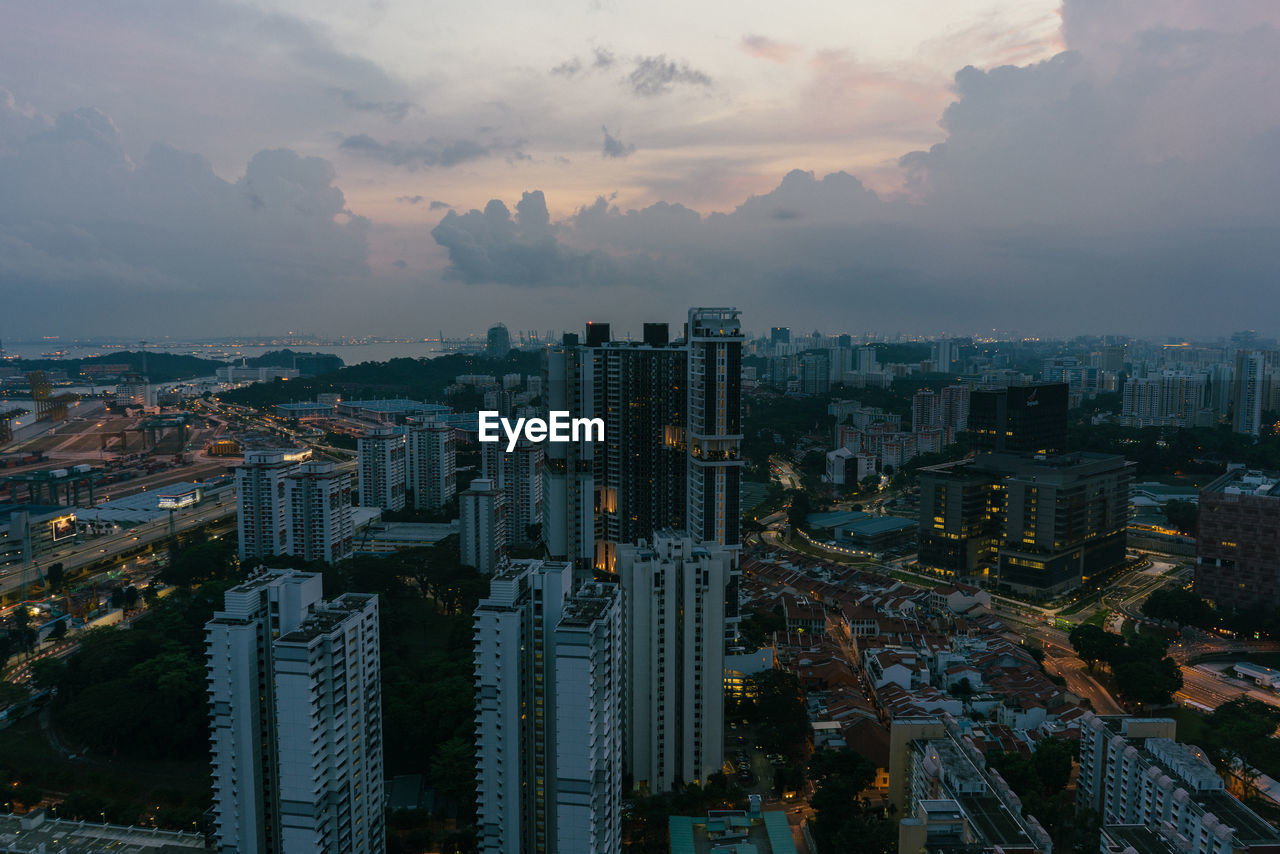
[63, 527]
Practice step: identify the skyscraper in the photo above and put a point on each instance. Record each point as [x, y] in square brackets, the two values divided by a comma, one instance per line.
[383, 468]
[675, 615]
[1246, 399]
[714, 426]
[815, 372]
[497, 342]
[779, 335]
[482, 525]
[319, 526]
[926, 410]
[944, 353]
[296, 718]
[261, 508]
[432, 465]
[1028, 419]
[548, 661]
[518, 473]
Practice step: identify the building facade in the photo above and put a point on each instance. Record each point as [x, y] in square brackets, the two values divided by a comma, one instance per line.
[673, 594]
[547, 658]
[1238, 541]
[296, 717]
[518, 473]
[382, 460]
[482, 526]
[318, 514]
[261, 505]
[1030, 419]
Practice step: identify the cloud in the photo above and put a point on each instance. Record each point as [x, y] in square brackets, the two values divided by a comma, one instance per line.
[392, 110]
[1126, 186]
[437, 205]
[656, 75]
[410, 200]
[614, 148]
[601, 59]
[522, 250]
[763, 47]
[92, 236]
[426, 154]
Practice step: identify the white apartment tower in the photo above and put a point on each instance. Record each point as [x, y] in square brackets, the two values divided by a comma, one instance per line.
[329, 729]
[295, 717]
[546, 659]
[318, 499]
[673, 593]
[382, 456]
[482, 525]
[261, 508]
[518, 473]
[432, 465]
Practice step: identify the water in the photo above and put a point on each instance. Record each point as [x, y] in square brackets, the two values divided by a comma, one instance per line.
[351, 354]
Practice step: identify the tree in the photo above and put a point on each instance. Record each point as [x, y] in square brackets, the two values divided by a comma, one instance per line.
[1182, 516]
[798, 514]
[1147, 681]
[1179, 606]
[54, 576]
[844, 820]
[1093, 643]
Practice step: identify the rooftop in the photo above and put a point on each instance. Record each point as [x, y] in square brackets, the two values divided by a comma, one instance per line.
[17, 833]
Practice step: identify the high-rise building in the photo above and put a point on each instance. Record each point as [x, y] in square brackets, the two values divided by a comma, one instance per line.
[1246, 399]
[294, 692]
[1238, 541]
[815, 372]
[382, 460]
[432, 465]
[518, 473]
[318, 498]
[955, 407]
[926, 410]
[1137, 777]
[673, 594]
[944, 354]
[867, 361]
[1030, 419]
[261, 508]
[497, 342]
[1039, 526]
[547, 661]
[1172, 399]
[482, 525]
[670, 456]
[779, 335]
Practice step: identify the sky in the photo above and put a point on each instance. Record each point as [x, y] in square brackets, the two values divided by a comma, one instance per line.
[397, 168]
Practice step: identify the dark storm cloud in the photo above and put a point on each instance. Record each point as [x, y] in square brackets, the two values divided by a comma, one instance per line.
[657, 75]
[426, 154]
[614, 148]
[393, 110]
[437, 205]
[88, 233]
[1127, 184]
[494, 246]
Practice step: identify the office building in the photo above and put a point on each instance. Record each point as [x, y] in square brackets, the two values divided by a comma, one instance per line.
[261, 508]
[518, 473]
[548, 660]
[939, 784]
[673, 595]
[1238, 542]
[382, 460]
[1030, 419]
[296, 719]
[482, 526]
[433, 464]
[1246, 398]
[1037, 526]
[318, 513]
[779, 335]
[1134, 774]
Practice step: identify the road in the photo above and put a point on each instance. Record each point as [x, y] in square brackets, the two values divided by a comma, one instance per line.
[112, 546]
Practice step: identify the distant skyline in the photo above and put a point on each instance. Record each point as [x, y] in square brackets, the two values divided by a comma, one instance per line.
[223, 168]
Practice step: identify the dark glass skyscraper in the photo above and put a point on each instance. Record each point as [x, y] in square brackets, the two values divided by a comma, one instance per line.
[1029, 419]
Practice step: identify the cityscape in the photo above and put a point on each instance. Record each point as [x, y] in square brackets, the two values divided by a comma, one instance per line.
[692, 504]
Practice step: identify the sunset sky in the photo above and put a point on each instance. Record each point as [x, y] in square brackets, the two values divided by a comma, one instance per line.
[242, 168]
